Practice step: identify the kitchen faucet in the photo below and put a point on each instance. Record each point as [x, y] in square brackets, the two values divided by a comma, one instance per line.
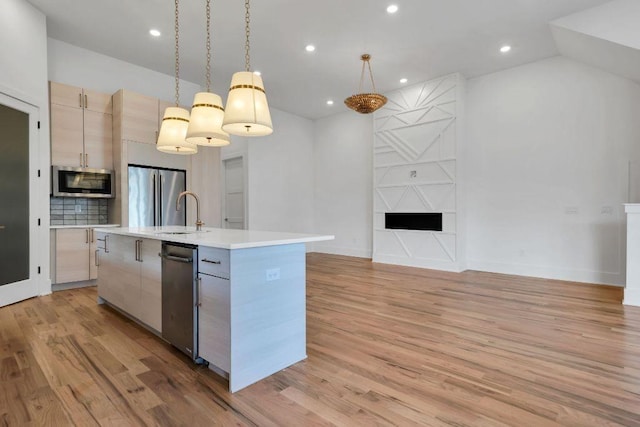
[199, 223]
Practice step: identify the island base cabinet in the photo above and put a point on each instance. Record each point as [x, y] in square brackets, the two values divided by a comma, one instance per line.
[130, 277]
[214, 334]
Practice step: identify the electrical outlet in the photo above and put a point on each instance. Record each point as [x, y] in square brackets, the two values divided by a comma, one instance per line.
[273, 274]
[78, 209]
[607, 210]
[571, 210]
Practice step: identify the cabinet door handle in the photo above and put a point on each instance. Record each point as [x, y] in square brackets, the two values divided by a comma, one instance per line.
[184, 260]
[81, 160]
[106, 244]
[86, 235]
[86, 101]
[92, 235]
[96, 261]
[86, 160]
[211, 261]
[80, 95]
[139, 250]
[198, 300]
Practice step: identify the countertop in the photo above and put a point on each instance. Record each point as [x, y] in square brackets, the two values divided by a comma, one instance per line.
[56, 227]
[217, 237]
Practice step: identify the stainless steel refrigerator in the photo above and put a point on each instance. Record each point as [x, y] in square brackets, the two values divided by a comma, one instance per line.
[152, 196]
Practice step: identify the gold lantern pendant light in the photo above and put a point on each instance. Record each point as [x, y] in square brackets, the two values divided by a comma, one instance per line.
[173, 131]
[366, 103]
[207, 113]
[247, 112]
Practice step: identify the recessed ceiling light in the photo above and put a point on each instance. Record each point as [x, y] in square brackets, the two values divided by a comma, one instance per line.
[310, 48]
[403, 80]
[505, 48]
[154, 33]
[392, 8]
[329, 102]
[257, 73]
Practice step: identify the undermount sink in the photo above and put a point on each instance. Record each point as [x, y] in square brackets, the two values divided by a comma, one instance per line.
[182, 232]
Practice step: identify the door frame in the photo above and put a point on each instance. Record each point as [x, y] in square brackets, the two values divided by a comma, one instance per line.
[245, 180]
[38, 282]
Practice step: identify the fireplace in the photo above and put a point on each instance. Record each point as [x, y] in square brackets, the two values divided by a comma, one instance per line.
[424, 221]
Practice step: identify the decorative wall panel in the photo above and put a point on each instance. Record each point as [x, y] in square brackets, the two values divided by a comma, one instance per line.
[416, 169]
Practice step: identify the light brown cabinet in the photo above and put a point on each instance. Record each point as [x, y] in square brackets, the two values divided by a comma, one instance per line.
[138, 117]
[75, 255]
[81, 127]
[130, 276]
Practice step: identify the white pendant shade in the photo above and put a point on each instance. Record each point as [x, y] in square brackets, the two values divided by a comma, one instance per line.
[247, 112]
[174, 131]
[205, 124]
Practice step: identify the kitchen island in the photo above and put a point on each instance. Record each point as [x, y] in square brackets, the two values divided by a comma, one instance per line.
[249, 292]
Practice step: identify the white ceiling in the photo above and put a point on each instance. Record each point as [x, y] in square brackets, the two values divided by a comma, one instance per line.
[423, 40]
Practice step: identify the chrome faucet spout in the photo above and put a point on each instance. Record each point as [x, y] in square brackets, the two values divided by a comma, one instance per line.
[199, 223]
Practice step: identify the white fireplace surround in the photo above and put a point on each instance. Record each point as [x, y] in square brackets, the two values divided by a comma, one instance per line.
[418, 141]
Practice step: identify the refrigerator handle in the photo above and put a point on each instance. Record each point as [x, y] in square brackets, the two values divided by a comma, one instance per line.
[155, 199]
[160, 180]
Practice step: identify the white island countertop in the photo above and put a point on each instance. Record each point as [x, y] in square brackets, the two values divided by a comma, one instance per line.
[217, 237]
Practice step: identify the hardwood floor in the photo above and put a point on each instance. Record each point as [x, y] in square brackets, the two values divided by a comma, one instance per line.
[387, 345]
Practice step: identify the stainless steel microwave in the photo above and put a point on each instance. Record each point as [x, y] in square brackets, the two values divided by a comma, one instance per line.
[82, 182]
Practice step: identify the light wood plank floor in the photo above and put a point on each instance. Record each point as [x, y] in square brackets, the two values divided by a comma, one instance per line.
[387, 346]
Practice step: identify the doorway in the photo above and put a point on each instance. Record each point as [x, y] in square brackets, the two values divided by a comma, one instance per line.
[234, 193]
[18, 193]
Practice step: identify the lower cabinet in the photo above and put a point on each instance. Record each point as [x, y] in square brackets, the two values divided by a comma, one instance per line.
[214, 332]
[74, 255]
[214, 318]
[130, 276]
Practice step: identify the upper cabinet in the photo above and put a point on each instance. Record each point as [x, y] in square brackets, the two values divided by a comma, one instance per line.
[81, 127]
[137, 116]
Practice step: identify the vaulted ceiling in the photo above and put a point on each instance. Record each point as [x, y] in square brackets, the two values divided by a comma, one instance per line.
[423, 40]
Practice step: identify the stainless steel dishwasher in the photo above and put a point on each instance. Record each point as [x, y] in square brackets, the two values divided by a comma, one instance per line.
[179, 304]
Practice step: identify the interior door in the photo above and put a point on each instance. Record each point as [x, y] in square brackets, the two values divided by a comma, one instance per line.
[234, 193]
[18, 251]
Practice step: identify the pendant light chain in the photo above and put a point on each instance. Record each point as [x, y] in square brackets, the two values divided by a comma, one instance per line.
[361, 78]
[247, 33]
[208, 75]
[366, 61]
[371, 75]
[177, 28]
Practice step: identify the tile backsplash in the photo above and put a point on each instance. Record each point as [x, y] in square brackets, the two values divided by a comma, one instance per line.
[78, 211]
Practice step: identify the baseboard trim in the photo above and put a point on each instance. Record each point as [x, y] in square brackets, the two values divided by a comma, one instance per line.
[73, 285]
[570, 275]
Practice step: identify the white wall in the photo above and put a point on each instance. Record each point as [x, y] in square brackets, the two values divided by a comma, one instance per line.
[280, 174]
[23, 75]
[81, 67]
[342, 161]
[549, 148]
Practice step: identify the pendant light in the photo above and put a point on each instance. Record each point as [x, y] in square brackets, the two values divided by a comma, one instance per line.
[207, 113]
[247, 112]
[175, 122]
[365, 103]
